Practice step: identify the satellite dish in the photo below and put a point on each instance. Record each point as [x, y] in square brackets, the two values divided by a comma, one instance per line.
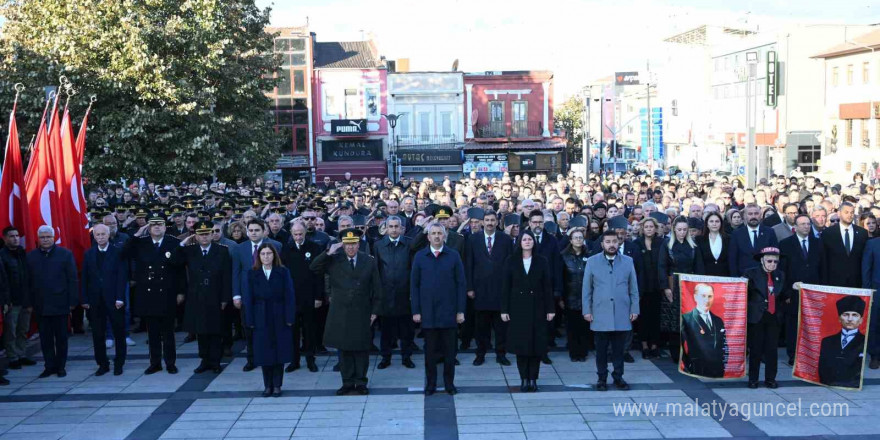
[455, 65]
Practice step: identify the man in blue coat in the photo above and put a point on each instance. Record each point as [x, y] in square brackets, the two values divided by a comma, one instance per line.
[104, 280]
[437, 293]
[54, 288]
[243, 258]
[747, 240]
[871, 280]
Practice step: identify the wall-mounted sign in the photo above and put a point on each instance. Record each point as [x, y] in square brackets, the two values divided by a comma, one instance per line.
[344, 151]
[430, 157]
[348, 127]
[772, 79]
[485, 165]
[626, 78]
[527, 162]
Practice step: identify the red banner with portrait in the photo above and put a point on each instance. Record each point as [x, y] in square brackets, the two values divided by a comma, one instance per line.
[832, 335]
[713, 326]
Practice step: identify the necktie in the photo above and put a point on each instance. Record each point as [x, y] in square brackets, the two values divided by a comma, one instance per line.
[792, 229]
[539, 239]
[754, 238]
[351, 260]
[204, 252]
[156, 244]
[101, 258]
[804, 248]
[254, 254]
[771, 297]
[708, 321]
[846, 240]
[489, 244]
[436, 254]
[845, 341]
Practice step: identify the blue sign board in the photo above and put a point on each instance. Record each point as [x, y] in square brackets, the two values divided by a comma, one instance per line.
[656, 133]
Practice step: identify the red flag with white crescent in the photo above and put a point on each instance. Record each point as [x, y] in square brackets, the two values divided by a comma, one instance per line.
[13, 203]
[73, 212]
[42, 198]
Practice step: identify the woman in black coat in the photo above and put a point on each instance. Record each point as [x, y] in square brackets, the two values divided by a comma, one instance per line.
[270, 310]
[527, 305]
[574, 260]
[652, 247]
[680, 256]
[714, 246]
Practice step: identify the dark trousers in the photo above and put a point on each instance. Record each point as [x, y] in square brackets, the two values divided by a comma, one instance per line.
[649, 321]
[306, 328]
[160, 331]
[53, 341]
[273, 376]
[466, 331]
[674, 341]
[210, 349]
[439, 342]
[578, 333]
[528, 366]
[98, 314]
[616, 340]
[76, 318]
[873, 331]
[395, 328]
[320, 323]
[763, 340]
[488, 320]
[229, 316]
[353, 366]
[791, 322]
[248, 338]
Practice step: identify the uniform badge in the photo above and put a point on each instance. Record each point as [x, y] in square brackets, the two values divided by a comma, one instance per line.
[167, 254]
[702, 332]
[308, 255]
[585, 258]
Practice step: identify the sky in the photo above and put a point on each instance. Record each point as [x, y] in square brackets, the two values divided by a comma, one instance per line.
[579, 40]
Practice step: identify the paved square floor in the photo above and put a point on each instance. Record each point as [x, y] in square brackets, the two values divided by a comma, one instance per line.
[488, 406]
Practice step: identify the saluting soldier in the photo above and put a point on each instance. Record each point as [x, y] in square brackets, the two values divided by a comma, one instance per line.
[155, 284]
[209, 289]
[355, 300]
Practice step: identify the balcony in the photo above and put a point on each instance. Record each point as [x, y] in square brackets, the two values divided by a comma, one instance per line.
[510, 131]
[426, 141]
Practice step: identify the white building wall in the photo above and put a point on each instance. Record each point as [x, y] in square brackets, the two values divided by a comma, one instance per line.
[431, 104]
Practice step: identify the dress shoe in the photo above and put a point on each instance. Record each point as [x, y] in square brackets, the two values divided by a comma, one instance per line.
[601, 386]
[217, 369]
[464, 346]
[646, 353]
[171, 369]
[277, 392]
[130, 342]
[102, 370]
[621, 384]
[534, 387]
[385, 363]
[772, 384]
[61, 372]
[201, 369]
[322, 349]
[408, 363]
[45, 374]
[27, 362]
[451, 390]
[524, 385]
[344, 390]
[362, 390]
[791, 363]
[628, 358]
[457, 362]
[267, 392]
[16, 365]
[374, 348]
[227, 352]
[189, 338]
[310, 364]
[117, 370]
[655, 353]
[248, 367]
[291, 368]
[753, 384]
[502, 359]
[875, 364]
[78, 331]
[479, 360]
[414, 347]
[153, 369]
[430, 391]
[336, 367]
[546, 360]
[4, 381]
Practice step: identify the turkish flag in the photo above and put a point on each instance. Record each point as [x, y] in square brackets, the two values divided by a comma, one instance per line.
[42, 198]
[80, 146]
[73, 213]
[13, 204]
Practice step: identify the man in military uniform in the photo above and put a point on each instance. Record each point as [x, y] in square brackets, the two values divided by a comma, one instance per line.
[355, 300]
[154, 287]
[209, 289]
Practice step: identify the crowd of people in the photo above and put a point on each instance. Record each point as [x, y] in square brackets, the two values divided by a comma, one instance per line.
[511, 264]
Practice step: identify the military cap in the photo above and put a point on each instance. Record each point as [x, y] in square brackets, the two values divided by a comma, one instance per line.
[226, 205]
[617, 222]
[277, 210]
[218, 216]
[851, 303]
[121, 208]
[156, 217]
[476, 213]
[141, 213]
[96, 213]
[600, 205]
[443, 212]
[256, 202]
[512, 219]
[431, 209]
[381, 204]
[351, 235]
[177, 209]
[578, 222]
[204, 227]
[660, 217]
[203, 214]
[358, 220]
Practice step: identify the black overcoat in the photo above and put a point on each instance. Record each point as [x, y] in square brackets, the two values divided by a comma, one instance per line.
[527, 298]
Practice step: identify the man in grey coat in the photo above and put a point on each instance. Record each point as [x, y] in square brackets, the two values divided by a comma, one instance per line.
[610, 304]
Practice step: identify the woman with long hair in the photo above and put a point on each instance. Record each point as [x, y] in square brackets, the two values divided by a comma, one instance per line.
[527, 306]
[270, 311]
[714, 246]
[869, 222]
[651, 246]
[574, 260]
[680, 256]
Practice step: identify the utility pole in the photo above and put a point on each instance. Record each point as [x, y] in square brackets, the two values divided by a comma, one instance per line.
[650, 126]
[586, 134]
[751, 109]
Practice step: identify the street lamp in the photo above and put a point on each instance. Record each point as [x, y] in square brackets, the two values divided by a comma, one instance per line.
[751, 114]
[392, 121]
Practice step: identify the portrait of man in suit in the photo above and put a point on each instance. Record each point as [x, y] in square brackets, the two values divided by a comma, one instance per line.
[703, 336]
[841, 354]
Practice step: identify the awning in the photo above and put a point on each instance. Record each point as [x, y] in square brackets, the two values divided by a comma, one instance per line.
[544, 144]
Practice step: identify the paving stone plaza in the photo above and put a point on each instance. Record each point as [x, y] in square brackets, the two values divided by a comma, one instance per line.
[488, 406]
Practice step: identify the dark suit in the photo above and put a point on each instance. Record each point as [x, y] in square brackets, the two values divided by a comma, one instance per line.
[53, 282]
[871, 280]
[719, 267]
[103, 282]
[841, 367]
[705, 353]
[485, 275]
[844, 268]
[763, 327]
[243, 260]
[394, 262]
[798, 269]
[309, 288]
[742, 251]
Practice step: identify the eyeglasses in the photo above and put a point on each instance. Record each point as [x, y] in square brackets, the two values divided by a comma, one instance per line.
[308, 218]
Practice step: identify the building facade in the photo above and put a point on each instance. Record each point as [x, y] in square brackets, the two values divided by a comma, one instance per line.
[509, 125]
[350, 100]
[428, 139]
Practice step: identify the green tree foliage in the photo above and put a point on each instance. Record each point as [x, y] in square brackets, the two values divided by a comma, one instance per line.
[180, 84]
[570, 117]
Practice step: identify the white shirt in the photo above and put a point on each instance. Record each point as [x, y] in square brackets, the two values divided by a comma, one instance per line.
[434, 251]
[267, 272]
[843, 230]
[104, 249]
[752, 234]
[255, 245]
[205, 249]
[159, 243]
[707, 318]
[715, 246]
[527, 263]
[801, 241]
[492, 237]
[846, 336]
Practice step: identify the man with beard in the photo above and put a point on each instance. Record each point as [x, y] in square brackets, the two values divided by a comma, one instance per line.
[747, 240]
[309, 217]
